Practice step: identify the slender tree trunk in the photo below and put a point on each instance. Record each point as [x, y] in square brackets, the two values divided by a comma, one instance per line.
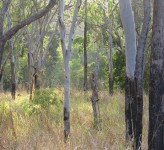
[110, 57]
[13, 73]
[1, 68]
[156, 93]
[66, 55]
[85, 49]
[12, 60]
[67, 98]
[110, 53]
[95, 97]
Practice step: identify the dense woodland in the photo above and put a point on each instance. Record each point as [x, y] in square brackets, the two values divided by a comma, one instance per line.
[81, 74]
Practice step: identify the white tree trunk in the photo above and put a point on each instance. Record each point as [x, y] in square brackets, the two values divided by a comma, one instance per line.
[127, 19]
[66, 55]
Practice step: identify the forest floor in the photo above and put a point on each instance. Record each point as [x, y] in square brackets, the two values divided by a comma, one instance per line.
[23, 127]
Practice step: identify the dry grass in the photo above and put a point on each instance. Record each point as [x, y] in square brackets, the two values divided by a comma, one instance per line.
[45, 132]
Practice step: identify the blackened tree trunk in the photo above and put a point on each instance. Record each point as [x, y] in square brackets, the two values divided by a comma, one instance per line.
[130, 109]
[156, 95]
[85, 49]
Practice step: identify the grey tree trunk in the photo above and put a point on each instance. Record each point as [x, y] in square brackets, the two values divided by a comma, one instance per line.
[85, 86]
[12, 60]
[156, 91]
[127, 19]
[139, 73]
[95, 99]
[66, 55]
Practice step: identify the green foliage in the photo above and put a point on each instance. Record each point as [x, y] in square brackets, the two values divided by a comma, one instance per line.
[119, 70]
[43, 100]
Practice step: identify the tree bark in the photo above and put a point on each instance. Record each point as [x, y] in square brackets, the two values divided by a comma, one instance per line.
[156, 94]
[95, 99]
[139, 73]
[130, 109]
[85, 49]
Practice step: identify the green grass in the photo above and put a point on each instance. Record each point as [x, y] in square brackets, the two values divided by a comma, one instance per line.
[44, 130]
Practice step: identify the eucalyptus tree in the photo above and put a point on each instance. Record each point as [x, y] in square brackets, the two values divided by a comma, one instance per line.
[156, 91]
[66, 49]
[8, 34]
[127, 19]
[38, 47]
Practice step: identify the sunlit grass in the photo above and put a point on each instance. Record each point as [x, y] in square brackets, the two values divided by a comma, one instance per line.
[44, 130]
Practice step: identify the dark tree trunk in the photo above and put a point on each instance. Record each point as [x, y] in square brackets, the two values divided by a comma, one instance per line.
[138, 107]
[36, 80]
[156, 95]
[85, 86]
[130, 109]
[13, 79]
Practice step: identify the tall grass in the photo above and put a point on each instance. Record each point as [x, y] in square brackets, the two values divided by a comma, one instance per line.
[44, 131]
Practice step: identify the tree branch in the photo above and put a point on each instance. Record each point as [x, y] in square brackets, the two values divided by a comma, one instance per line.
[11, 32]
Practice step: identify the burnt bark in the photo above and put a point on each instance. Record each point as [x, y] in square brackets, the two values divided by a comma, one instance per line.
[67, 124]
[130, 109]
[156, 94]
